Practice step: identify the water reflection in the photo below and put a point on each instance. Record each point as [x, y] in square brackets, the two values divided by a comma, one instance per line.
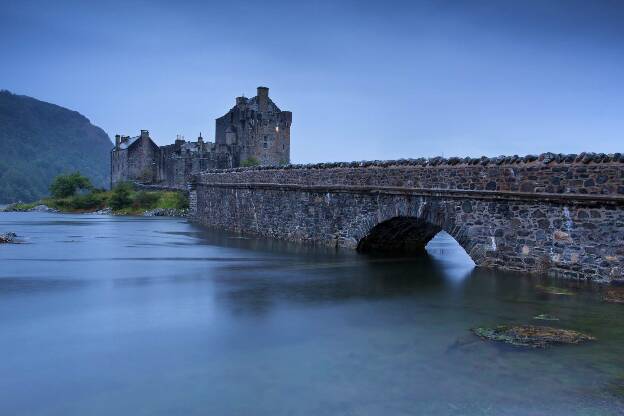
[156, 317]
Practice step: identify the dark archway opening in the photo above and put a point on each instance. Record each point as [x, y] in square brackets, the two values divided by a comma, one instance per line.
[399, 236]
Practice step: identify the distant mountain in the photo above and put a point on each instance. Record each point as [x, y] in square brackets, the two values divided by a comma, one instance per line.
[39, 140]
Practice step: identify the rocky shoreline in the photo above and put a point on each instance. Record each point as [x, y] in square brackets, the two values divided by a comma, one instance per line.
[37, 208]
[157, 212]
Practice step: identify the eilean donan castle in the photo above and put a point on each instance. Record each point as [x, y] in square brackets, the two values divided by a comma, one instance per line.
[254, 131]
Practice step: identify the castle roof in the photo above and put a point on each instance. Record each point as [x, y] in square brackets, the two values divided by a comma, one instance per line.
[125, 144]
[252, 104]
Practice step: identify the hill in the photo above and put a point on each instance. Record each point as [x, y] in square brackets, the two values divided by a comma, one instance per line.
[39, 140]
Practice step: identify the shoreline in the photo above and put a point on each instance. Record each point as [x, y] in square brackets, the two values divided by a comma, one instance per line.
[154, 212]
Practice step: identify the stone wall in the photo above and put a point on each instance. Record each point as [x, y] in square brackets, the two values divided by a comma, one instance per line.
[556, 214]
[177, 166]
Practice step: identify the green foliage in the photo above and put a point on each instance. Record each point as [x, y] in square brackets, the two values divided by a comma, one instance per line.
[64, 186]
[121, 196]
[85, 202]
[145, 200]
[123, 199]
[252, 161]
[39, 141]
[176, 200]
[23, 207]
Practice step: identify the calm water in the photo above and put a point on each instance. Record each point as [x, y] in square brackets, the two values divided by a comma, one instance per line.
[141, 316]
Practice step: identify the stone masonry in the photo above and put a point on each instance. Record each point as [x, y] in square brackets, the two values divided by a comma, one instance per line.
[560, 215]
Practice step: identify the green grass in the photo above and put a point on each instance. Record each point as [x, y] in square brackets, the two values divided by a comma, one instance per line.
[173, 200]
[136, 203]
[24, 207]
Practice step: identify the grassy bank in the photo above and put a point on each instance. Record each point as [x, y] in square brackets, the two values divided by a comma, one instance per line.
[122, 201]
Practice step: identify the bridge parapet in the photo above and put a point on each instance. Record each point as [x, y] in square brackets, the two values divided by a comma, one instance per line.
[556, 214]
[536, 175]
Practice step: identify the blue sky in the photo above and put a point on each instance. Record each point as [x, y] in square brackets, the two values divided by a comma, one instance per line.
[364, 80]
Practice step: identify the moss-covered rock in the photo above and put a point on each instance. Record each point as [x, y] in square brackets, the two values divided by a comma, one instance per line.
[531, 336]
[614, 295]
[553, 290]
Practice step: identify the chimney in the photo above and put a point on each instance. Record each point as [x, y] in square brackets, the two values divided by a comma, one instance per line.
[263, 98]
[117, 141]
[144, 134]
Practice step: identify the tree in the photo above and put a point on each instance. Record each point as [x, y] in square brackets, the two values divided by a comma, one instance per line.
[120, 197]
[64, 186]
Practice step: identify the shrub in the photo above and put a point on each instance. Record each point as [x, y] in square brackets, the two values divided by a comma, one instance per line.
[64, 186]
[88, 201]
[120, 196]
[176, 200]
[146, 200]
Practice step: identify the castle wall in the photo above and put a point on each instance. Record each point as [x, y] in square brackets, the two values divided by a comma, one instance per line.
[177, 166]
[119, 166]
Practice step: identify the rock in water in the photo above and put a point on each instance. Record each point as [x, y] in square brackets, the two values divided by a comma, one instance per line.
[545, 317]
[7, 238]
[614, 295]
[552, 290]
[531, 336]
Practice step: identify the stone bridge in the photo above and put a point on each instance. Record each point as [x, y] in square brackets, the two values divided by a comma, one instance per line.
[560, 215]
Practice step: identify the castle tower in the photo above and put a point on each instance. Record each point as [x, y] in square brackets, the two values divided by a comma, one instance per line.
[255, 130]
[263, 99]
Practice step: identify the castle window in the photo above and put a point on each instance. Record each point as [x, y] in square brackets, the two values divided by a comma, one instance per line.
[266, 145]
[283, 147]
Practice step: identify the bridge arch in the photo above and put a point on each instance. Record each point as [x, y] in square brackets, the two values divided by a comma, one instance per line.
[405, 226]
[399, 235]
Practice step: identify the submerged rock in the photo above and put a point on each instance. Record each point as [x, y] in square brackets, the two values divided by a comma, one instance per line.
[545, 317]
[7, 238]
[531, 336]
[614, 295]
[552, 290]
